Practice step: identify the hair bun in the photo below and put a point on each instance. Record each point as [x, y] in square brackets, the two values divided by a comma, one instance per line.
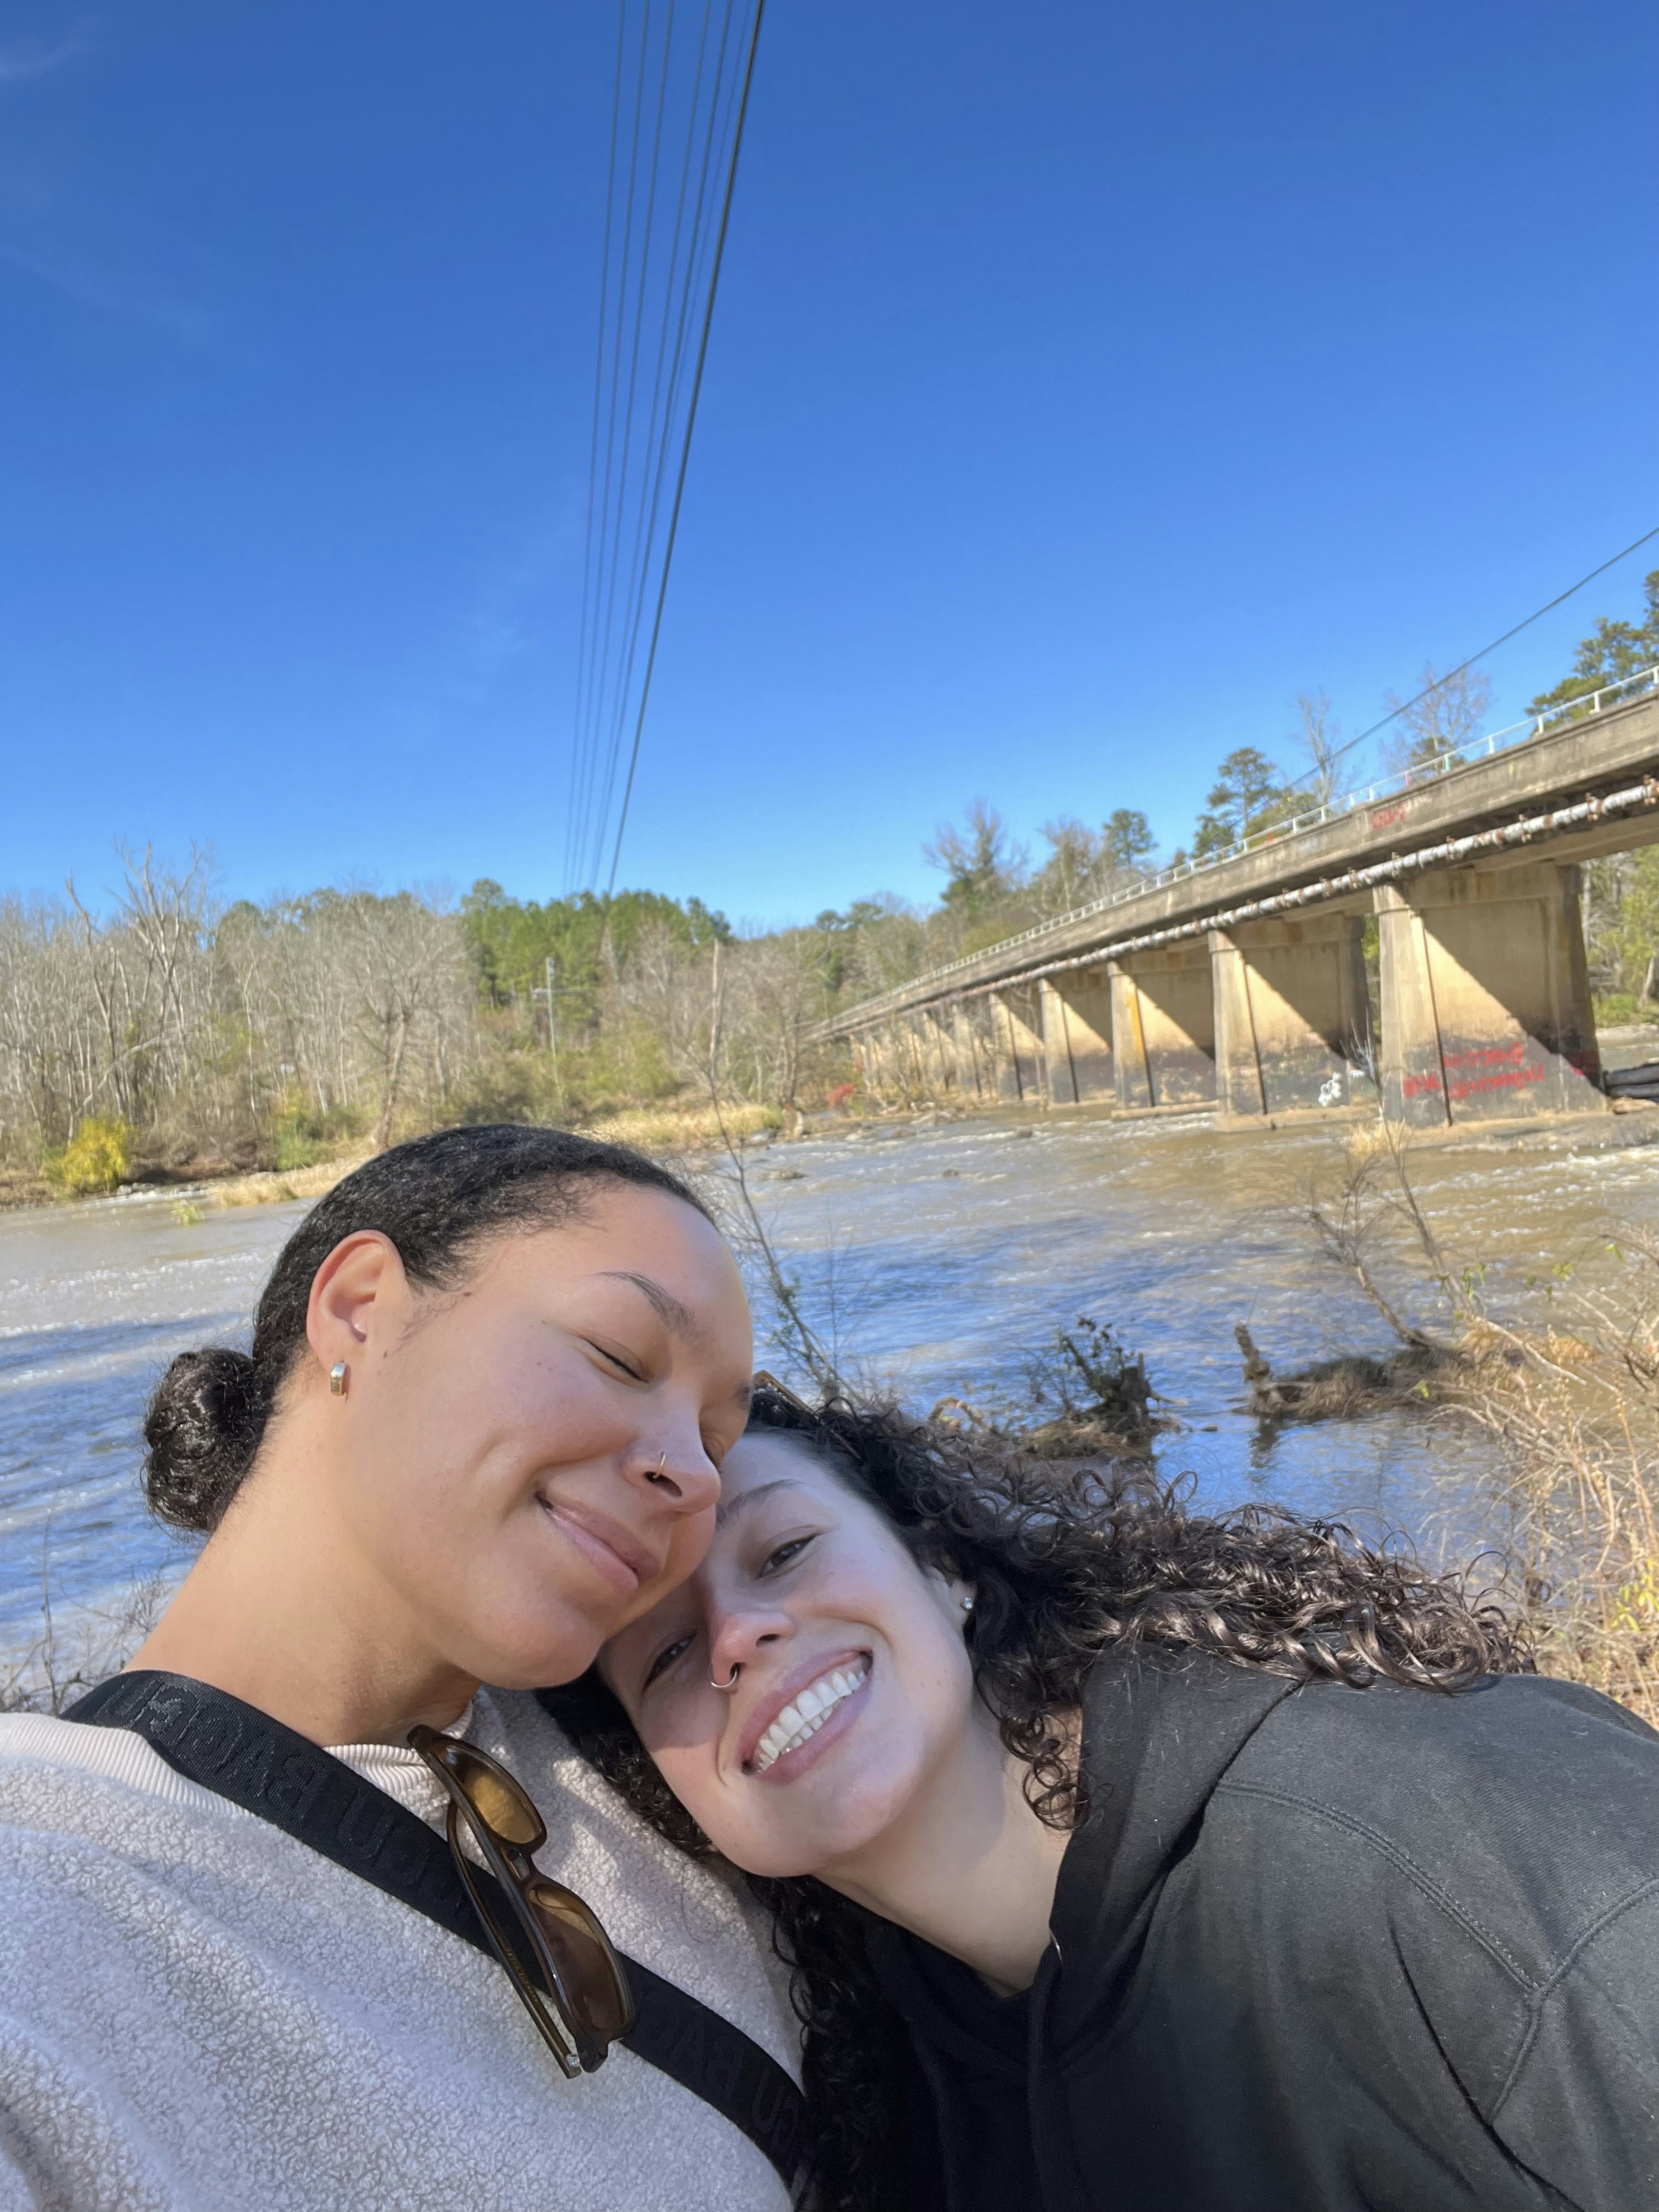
[202, 1428]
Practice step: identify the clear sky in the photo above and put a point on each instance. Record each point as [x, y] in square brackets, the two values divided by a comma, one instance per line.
[1085, 381]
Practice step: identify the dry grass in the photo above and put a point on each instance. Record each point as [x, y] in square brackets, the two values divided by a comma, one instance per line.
[277, 1185]
[74, 1651]
[672, 1129]
[1570, 1402]
[1575, 1412]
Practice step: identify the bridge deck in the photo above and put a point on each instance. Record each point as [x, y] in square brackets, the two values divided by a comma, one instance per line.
[1579, 759]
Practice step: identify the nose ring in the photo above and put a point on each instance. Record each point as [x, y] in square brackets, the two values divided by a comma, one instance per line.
[737, 1668]
[655, 1474]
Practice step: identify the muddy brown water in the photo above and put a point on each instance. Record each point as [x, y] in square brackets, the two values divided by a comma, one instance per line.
[935, 1257]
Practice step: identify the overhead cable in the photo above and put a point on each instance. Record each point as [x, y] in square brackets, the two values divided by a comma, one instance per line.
[684, 98]
[1463, 666]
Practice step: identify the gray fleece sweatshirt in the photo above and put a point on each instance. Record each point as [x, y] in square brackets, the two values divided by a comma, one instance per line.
[198, 2013]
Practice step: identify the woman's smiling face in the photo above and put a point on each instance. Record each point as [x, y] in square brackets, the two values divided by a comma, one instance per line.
[852, 1684]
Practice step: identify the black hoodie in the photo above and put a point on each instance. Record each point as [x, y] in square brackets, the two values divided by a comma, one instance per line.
[1369, 1950]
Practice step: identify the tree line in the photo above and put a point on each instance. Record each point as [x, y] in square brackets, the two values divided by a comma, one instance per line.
[194, 1037]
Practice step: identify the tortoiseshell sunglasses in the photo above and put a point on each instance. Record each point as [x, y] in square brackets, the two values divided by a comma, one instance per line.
[587, 2004]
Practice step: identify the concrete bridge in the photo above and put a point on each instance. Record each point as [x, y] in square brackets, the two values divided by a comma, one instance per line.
[1253, 983]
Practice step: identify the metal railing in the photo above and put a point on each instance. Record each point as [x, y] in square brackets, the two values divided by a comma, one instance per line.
[1331, 810]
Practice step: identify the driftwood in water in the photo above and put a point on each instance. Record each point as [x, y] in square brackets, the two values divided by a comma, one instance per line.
[1086, 1398]
[1344, 1388]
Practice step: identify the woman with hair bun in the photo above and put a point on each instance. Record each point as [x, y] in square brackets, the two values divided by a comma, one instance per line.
[278, 1927]
[1134, 1860]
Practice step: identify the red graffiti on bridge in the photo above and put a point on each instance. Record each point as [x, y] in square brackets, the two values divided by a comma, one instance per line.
[1478, 1068]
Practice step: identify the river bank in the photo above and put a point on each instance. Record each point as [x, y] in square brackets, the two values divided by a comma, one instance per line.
[936, 1256]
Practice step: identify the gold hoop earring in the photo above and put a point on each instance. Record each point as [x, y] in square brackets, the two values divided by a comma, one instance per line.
[336, 1378]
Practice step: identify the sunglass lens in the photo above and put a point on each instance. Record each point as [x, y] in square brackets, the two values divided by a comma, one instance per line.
[593, 1981]
[497, 1798]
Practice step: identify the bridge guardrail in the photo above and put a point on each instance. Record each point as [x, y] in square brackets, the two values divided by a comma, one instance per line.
[1350, 802]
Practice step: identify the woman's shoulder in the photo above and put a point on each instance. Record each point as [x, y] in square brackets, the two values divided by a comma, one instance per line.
[1520, 1811]
[1520, 1800]
[53, 1771]
[1403, 1756]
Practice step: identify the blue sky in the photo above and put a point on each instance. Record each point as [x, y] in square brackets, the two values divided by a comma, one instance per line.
[1085, 382]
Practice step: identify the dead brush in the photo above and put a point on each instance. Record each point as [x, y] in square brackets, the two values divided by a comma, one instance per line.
[1575, 1501]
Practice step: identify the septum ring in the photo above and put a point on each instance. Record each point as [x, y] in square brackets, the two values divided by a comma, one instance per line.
[737, 1669]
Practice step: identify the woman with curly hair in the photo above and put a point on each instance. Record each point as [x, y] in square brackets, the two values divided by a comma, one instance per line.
[1125, 1857]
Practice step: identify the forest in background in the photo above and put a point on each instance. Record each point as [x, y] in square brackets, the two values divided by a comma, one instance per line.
[167, 1036]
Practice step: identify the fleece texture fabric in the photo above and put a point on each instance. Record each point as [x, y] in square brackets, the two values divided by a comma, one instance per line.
[196, 2012]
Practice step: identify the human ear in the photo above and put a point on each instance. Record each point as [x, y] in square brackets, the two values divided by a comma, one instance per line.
[953, 1597]
[360, 1292]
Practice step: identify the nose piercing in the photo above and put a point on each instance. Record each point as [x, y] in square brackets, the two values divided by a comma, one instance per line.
[737, 1668]
[655, 1474]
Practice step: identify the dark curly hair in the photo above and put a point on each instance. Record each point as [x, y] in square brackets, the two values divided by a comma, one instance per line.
[1067, 1564]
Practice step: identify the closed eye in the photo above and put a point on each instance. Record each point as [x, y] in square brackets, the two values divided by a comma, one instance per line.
[666, 1658]
[616, 1361]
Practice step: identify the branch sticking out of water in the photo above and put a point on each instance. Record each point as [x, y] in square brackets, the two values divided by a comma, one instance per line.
[796, 1337]
[1084, 1396]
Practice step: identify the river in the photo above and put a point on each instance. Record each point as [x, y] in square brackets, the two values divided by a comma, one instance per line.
[936, 1256]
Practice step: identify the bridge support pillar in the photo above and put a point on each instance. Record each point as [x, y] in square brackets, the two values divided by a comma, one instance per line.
[938, 1051]
[866, 1058]
[1077, 1038]
[1485, 995]
[1291, 1014]
[970, 1076]
[1017, 1029]
[1164, 1028]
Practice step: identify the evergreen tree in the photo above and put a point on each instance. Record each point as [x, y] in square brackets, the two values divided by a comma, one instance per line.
[1248, 795]
[1612, 651]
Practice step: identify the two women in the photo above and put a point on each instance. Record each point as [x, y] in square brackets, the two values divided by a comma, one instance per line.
[492, 1380]
[1127, 1859]
[1123, 1859]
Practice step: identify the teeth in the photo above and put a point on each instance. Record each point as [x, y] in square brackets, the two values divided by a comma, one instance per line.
[808, 1714]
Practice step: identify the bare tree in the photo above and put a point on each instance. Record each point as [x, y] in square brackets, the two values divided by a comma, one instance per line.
[1435, 726]
[1318, 738]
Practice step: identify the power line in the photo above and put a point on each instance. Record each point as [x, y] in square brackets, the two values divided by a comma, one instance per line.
[590, 672]
[593, 448]
[657, 293]
[664, 405]
[1451, 675]
[685, 449]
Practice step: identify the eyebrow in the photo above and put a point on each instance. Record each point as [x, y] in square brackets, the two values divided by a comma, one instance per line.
[678, 1318]
[729, 1508]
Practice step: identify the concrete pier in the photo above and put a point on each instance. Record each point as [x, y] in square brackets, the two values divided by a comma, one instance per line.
[1077, 1038]
[1485, 1013]
[1292, 1019]
[1485, 996]
[1020, 1071]
[1164, 1028]
[938, 1051]
[1486, 1003]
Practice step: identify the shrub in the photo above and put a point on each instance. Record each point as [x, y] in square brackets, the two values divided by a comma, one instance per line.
[97, 1157]
[304, 1136]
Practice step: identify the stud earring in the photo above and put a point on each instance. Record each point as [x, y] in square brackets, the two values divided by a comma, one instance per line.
[968, 1604]
[336, 1378]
